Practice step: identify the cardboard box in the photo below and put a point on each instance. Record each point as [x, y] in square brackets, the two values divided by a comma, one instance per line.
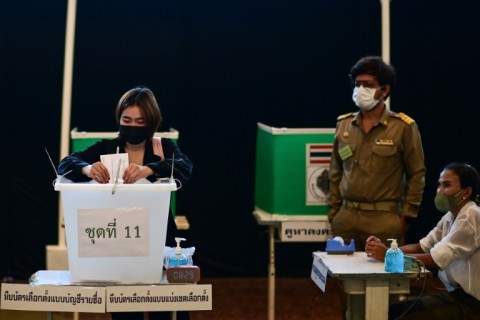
[116, 237]
[291, 170]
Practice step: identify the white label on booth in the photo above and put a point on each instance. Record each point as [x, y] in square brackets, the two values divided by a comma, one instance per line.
[305, 231]
[116, 232]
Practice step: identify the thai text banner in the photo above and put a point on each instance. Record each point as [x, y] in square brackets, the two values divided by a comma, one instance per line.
[159, 298]
[305, 231]
[53, 298]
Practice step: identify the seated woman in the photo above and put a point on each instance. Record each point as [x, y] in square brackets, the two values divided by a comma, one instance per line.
[452, 247]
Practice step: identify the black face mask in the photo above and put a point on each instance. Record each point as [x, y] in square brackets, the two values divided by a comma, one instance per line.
[133, 134]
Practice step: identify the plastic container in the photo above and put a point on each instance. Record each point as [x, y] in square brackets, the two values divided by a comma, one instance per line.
[80, 140]
[394, 258]
[178, 258]
[102, 237]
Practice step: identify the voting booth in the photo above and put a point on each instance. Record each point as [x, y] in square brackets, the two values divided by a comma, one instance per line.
[291, 170]
[115, 233]
[291, 188]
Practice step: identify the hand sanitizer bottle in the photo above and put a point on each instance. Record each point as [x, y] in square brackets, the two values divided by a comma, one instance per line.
[394, 258]
[179, 259]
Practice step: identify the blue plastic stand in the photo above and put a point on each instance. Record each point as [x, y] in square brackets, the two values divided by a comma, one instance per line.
[336, 247]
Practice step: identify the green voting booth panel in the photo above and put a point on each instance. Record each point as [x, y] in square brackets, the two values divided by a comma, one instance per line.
[82, 140]
[291, 170]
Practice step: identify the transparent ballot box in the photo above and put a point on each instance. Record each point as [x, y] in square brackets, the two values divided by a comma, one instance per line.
[115, 233]
[80, 140]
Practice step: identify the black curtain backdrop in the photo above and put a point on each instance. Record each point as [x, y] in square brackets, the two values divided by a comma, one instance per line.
[217, 68]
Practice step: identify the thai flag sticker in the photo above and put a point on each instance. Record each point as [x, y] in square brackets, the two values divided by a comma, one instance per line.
[318, 154]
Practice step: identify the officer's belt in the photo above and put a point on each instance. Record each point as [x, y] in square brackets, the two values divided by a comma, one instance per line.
[378, 206]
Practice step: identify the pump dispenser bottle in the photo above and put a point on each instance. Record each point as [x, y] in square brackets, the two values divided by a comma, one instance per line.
[179, 259]
[394, 258]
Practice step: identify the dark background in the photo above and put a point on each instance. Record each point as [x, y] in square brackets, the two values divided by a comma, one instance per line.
[217, 68]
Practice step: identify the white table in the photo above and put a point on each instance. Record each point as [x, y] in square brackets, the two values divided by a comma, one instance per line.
[360, 276]
[52, 291]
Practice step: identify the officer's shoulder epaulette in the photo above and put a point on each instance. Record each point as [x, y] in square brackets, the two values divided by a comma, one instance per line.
[406, 118]
[345, 116]
[402, 116]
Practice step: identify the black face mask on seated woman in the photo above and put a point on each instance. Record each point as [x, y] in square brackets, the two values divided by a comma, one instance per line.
[133, 134]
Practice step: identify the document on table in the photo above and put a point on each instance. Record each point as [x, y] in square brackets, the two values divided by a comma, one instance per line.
[319, 273]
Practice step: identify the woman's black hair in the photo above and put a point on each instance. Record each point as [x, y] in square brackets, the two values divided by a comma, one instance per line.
[468, 177]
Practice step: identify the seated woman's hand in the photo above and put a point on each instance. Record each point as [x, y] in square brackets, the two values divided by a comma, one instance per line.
[375, 248]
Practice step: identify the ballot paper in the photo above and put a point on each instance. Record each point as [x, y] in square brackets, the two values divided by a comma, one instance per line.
[114, 163]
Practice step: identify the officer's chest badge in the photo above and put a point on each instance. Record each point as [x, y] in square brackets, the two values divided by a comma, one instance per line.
[384, 142]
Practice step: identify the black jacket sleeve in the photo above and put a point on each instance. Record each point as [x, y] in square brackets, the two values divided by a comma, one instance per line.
[182, 166]
[77, 160]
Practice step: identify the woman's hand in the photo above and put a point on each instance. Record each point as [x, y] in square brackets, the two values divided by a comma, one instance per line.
[375, 248]
[134, 172]
[97, 172]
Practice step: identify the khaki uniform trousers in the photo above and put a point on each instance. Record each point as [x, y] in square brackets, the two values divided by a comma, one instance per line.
[358, 221]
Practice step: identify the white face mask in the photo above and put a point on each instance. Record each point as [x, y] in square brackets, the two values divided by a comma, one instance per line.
[364, 98]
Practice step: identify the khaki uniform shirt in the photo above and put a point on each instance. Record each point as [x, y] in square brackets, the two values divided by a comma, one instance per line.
[385, 164]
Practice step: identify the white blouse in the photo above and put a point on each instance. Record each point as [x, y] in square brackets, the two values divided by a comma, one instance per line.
[454, 245]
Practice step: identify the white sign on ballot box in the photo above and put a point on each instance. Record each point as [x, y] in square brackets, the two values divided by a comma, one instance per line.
[115, 236]
[117, 232]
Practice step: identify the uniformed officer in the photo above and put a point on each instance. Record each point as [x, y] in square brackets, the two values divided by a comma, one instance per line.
[377, 170]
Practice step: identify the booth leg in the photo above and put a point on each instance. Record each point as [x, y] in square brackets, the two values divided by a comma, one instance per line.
[271, 274]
